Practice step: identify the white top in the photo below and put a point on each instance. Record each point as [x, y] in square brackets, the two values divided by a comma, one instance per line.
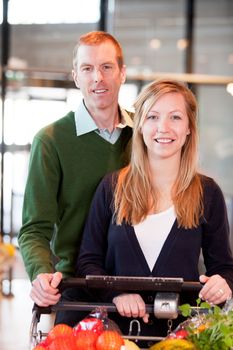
[152, 233]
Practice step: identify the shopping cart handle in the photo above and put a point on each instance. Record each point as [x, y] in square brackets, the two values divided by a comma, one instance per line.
[129, 283]
[191, 286]
[72, 282]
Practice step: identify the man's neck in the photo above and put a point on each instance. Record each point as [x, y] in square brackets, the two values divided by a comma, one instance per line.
[106, 118]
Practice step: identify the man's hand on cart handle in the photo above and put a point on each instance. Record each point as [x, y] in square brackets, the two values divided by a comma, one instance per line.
[44, 291]
[215, 290]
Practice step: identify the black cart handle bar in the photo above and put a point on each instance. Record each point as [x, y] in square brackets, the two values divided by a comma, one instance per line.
[129, 283]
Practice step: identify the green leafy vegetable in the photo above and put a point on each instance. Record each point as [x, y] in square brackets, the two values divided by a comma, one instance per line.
[212, 330]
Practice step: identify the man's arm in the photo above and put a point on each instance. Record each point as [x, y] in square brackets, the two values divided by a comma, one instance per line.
[39, 217]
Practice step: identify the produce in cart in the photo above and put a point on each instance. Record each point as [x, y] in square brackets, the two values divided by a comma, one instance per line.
[211, 330]
[95, 332]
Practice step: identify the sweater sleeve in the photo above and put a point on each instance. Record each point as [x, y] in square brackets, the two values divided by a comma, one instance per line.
[40, 207]
[216, 245]
[91, 260]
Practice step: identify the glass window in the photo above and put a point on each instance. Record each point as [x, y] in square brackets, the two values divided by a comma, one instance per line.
[216, 140]
[53, 11]
[213, 37]
[150, 32]
[44, 33]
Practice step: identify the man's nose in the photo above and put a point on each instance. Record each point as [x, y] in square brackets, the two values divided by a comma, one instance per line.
[98, 76]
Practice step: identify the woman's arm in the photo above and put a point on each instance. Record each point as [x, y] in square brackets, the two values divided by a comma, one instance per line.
[216, 246]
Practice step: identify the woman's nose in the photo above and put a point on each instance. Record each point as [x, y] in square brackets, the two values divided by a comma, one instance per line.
[162, 125]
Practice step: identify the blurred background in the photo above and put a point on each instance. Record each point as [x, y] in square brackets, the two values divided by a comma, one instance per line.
[189, 40]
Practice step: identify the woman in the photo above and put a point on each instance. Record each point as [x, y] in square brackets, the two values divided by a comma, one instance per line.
[153, 217]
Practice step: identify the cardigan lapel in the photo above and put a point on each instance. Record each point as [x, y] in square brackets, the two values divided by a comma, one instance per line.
[165, 251]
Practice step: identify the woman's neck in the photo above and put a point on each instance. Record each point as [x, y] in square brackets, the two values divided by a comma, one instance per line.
[163, 177]
[164, 172]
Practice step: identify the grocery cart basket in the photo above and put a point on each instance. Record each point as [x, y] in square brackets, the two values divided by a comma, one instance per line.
[165, 305]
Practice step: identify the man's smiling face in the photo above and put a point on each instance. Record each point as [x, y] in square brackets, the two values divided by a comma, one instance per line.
[98, 75]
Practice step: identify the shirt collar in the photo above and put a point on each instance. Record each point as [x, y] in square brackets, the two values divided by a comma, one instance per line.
[84, 122]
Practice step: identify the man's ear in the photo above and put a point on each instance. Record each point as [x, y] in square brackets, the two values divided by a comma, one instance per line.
[75, 78]
[123, 74]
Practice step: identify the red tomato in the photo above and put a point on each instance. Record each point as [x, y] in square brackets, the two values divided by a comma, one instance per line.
[39, 347]
[60, 330]
[109, 340]
[86, 340]
[44, 343]
[91, 323]
[182, 333]
[67, 342]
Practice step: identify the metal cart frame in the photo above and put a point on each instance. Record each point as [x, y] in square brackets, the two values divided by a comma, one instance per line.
[165, 305]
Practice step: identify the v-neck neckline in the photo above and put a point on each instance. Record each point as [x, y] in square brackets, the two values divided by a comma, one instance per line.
[161, 260]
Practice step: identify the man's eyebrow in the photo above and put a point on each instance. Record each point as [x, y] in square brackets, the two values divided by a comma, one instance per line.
[89, 64]
[108, 62]
[86, 64]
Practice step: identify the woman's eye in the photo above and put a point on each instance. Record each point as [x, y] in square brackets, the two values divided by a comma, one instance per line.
[152, 117]
[176, 117]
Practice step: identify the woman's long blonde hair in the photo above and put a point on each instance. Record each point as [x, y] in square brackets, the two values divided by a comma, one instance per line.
[134, 189]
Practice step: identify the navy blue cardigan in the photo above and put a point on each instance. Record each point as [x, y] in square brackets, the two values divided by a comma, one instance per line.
[110, 249]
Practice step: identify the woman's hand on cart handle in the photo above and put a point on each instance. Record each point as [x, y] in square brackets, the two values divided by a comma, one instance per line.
[215, 290]
[131, 305]
[44, 291]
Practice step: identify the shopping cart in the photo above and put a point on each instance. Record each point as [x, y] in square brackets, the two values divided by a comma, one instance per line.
[165, 305]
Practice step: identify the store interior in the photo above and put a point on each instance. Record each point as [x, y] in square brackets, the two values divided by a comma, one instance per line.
[188, 40]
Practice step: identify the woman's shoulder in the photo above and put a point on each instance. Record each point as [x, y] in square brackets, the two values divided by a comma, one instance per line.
[212, 192]
[111, 178]
[109, 182]
[209, 184]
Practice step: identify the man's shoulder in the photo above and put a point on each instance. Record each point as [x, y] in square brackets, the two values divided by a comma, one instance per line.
[64, 124]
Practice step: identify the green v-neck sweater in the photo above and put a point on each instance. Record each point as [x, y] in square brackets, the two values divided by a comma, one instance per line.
[64, 171]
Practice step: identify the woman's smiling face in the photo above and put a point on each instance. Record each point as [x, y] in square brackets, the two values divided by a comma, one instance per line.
[166, 127]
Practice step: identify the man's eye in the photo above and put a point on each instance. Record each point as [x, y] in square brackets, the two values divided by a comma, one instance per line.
[86, 69]
[107, 67]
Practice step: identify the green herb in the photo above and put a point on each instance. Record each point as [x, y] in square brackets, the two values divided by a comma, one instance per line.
[209, 331]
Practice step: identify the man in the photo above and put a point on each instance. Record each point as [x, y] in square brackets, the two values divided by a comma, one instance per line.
[68, 159]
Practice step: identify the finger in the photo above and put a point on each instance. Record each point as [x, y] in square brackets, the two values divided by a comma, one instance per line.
[45, 283]
[119, 305]
[44, 299]
[203, 278]
[146, 318]
[56, 279]
[136, 305]
[126, 309]
[135, 310]
[207, 292]
[212, 284]
[216, 291]
[44, 280]
[141, 307]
